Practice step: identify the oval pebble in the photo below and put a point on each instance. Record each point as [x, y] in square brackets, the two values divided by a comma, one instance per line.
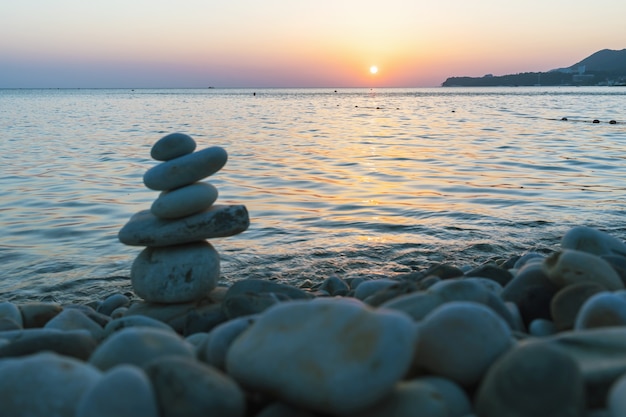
[186, 387]
[172, 146]
[460, 340]
[572, 266]
[601, 310]
[123, 391]
[532, 380]
[186, 169]
[184, 201]
[44, 384]
[138, 346]
[175, 274]
[343, 356]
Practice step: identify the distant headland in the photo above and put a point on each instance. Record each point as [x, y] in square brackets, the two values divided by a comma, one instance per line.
[606, 67]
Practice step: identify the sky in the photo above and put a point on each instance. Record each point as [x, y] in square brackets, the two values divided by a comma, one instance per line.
[289, 43]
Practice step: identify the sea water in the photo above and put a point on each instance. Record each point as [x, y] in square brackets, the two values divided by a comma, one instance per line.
[344, 182]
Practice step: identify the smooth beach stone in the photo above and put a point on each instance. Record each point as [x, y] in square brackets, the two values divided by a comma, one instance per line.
[335, 286]
[332, 355]
[123, 391]
[542, 328]
[470, 290]
[70, 319]
[184, 318]
[186, 169]
[409, 399]
[416, 304]
[572, 266]
[596, 242]
[184, 201]
[491, 271]
[175, 274]
[392, 291]
[138, 346]
[11, 312]
[454, 396]
[532, 291]
[145, 229]
[73, 343]
[112, 303]
[532, 380]
[44, 385]
[186, 387]
[90, 313]
[526, 258]
[247, 304]
[256, 286]
[37, 314]
[9, 324]
[460, 340]
[134, 321]
[367, 288]
[601, 310]
[567, 302]
[172, 146]
[599, 354]
[215, 347]
[616, 401]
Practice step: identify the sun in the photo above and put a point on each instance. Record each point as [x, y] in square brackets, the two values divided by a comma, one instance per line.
[373, 69]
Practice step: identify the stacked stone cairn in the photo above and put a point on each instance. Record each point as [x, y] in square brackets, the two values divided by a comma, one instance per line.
[178, 264]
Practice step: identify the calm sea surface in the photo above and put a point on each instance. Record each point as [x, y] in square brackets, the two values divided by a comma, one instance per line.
[347, 182]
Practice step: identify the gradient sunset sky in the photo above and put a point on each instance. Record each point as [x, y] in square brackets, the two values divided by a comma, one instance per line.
[289, 43]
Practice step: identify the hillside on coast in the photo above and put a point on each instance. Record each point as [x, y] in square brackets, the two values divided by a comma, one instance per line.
[605, 67]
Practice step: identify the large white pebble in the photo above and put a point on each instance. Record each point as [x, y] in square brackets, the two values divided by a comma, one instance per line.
[186, 169]
[138, 346]
[184, 201]
[593, 241]
[123, 391]
[460, 340]
[44, 385]
[332, 355]
[172, 146]
[572, 266]
[175, 274]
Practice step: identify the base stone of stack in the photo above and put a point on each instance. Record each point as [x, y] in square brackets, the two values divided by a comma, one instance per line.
[175, 274]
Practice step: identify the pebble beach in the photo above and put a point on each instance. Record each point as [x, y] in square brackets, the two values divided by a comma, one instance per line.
[536, 334]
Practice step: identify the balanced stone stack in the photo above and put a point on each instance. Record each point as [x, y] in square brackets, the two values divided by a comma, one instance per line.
[178, 264]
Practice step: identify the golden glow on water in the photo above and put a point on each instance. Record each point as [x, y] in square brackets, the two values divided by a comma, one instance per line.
[329, 177]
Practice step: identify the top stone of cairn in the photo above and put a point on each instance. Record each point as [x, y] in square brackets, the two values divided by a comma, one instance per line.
[172, 146]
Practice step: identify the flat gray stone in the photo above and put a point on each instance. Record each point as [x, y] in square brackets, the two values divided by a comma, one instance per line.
[186, 169]
[184, 201]
[176, 274]
[592, 241]
[75, 343]
[172, 146]
[145, 229]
